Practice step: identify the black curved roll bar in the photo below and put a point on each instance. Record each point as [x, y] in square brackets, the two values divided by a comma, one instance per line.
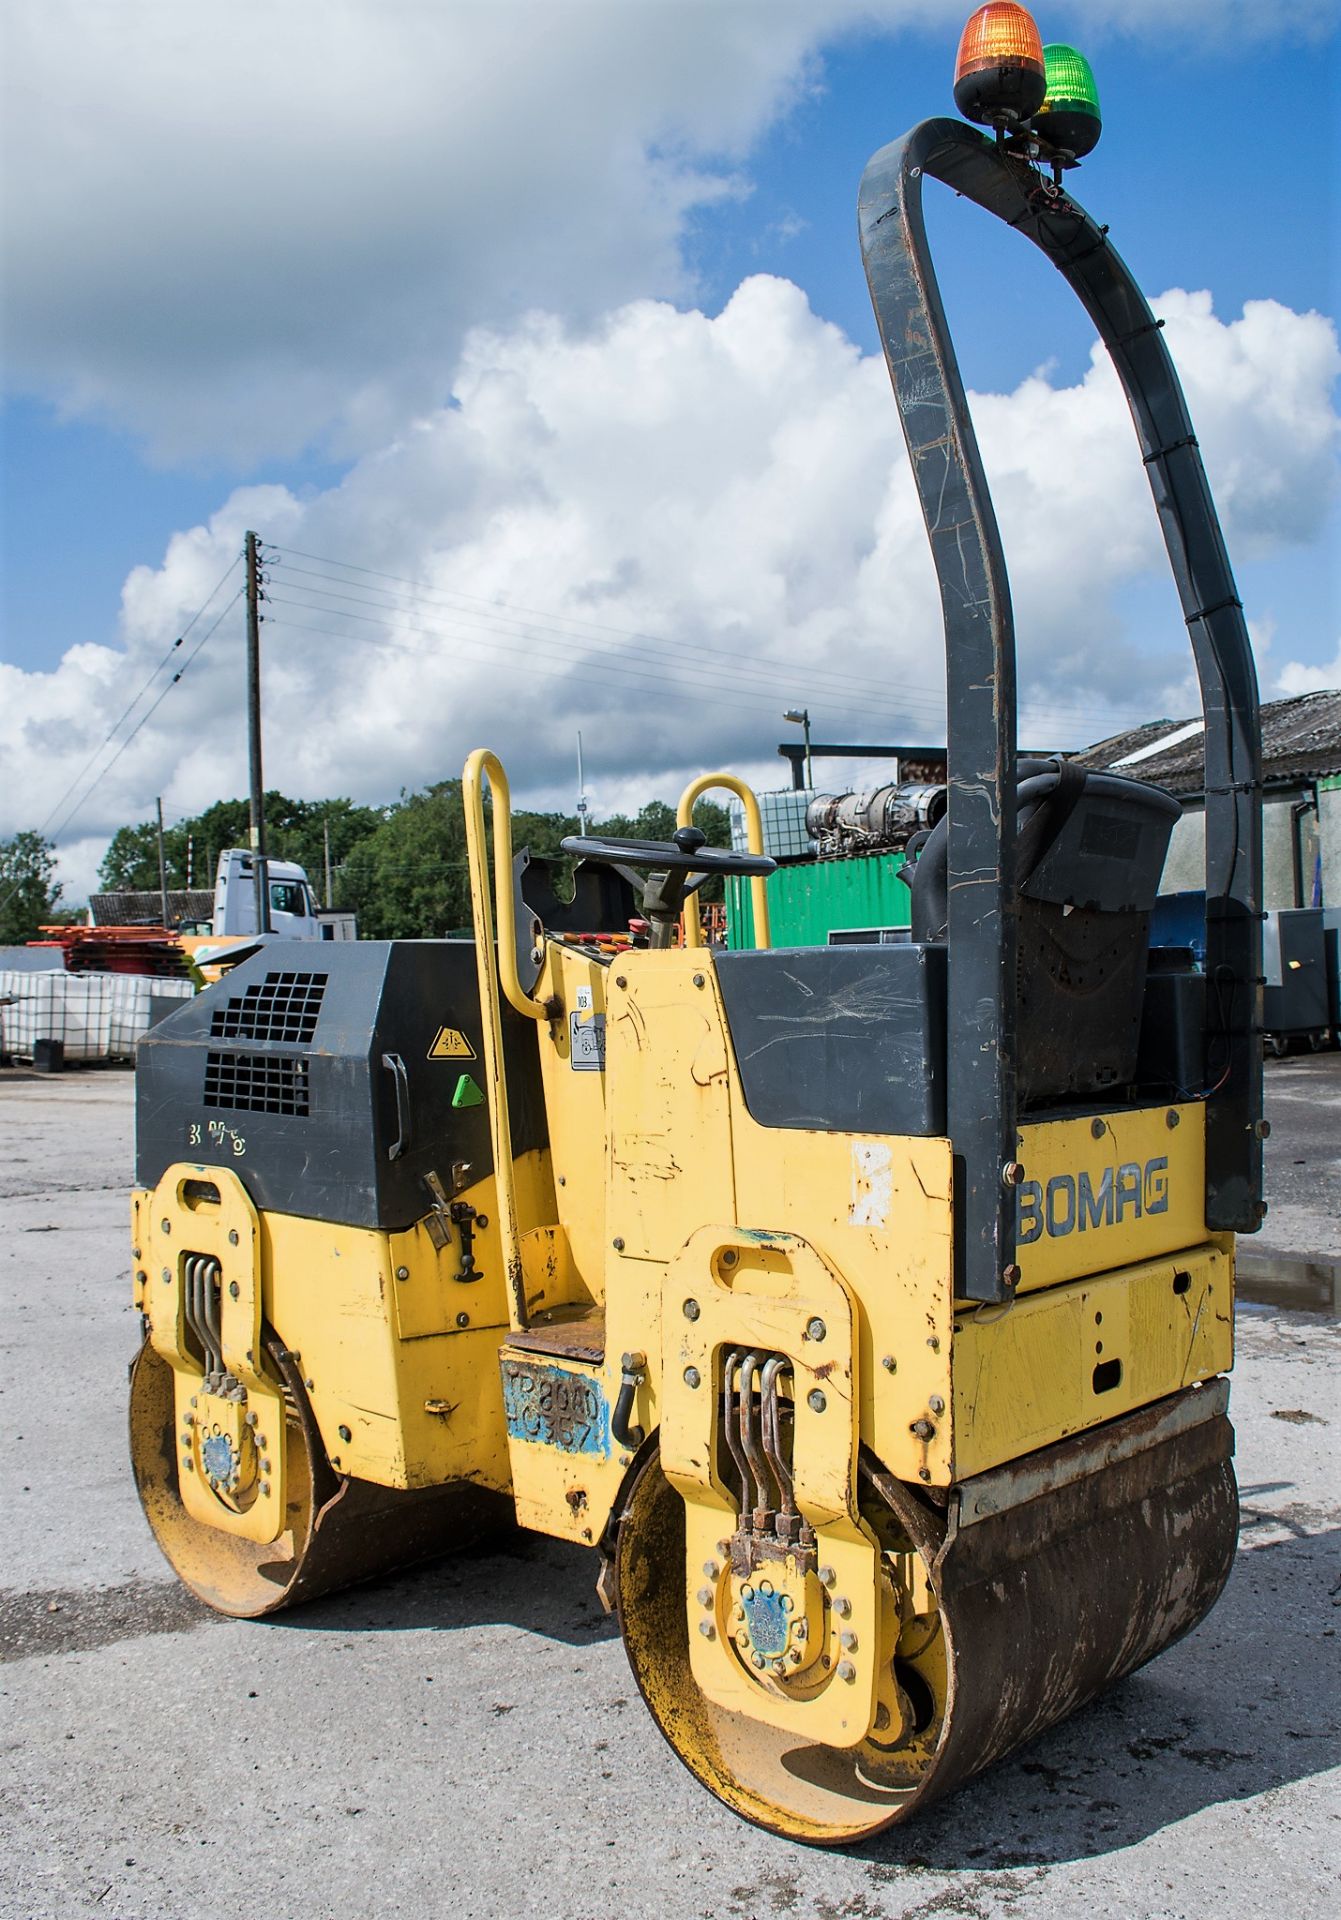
[980, 672]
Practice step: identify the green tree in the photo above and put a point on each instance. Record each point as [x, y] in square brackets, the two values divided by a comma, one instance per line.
[402, 868]
[29, 889]
[407, 879]
[294, 831]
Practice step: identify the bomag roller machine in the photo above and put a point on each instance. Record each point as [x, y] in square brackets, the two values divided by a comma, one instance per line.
[866, 1310]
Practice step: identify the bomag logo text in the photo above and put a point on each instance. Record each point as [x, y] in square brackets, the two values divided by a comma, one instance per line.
[1075, 1203]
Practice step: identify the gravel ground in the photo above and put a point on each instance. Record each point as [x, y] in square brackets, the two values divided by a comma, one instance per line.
[1303, 1158]
[466, 1739]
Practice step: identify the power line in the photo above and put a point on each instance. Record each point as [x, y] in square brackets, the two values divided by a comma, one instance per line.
[105, 770]
[750, 695]
[665, 687]
[510, 611]
[150, 711]
[181, 637]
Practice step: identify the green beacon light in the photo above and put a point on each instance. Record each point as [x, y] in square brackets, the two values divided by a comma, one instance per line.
[1069, 118]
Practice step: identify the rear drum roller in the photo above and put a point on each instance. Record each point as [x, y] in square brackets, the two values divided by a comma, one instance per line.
[338, 1530]
[993, 1633]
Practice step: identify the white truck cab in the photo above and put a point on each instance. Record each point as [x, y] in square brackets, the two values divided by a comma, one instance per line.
[293, 909]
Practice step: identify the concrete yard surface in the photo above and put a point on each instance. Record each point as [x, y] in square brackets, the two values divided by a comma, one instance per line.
[465, 1740]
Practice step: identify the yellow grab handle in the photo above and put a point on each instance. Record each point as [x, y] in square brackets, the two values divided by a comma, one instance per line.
[480, 764]
[483, 762]
[754, 836]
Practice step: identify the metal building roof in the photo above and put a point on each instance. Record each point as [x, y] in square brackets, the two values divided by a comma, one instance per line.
[1301, 740]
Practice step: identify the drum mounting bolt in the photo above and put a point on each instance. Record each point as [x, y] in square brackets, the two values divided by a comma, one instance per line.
[815, 1329]
[846, 1670]
[707, 1629]
[815, 1400]
[841, 1606]
[705, 1596]
[692, 1377]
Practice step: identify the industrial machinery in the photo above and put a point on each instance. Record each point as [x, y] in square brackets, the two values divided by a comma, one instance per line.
[865, 1308]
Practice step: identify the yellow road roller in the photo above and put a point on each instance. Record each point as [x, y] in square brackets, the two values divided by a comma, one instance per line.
[866, 1309]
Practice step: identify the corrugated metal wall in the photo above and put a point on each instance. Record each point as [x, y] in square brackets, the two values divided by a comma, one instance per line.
[809, 900]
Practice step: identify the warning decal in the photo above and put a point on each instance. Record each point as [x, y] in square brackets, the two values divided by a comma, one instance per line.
[451, 1044]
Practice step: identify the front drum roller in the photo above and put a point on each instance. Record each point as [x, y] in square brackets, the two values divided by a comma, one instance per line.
[339, 1530]
[1019, 1618]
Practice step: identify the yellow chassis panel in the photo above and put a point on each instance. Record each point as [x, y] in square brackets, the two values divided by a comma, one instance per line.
[1061, 1361]
[399, 1359]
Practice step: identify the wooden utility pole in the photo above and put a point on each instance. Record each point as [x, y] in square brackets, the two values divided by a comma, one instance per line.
[162, 866]
[262, 878]
[326, 844]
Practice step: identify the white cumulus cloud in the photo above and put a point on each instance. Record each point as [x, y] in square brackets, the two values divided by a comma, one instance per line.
[240, 229]
[662, 529]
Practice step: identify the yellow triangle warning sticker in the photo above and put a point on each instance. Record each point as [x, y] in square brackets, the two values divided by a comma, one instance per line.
[451, 1044]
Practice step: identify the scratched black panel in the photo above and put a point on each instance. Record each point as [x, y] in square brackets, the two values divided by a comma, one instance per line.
[839, 1039]
[309, 1124]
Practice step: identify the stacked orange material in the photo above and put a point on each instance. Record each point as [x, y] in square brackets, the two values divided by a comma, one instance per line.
[142, 950]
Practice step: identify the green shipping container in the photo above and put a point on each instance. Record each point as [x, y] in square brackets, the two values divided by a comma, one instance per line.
[810, 899]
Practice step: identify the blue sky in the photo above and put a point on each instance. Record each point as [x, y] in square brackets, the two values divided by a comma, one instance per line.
[1217, 170]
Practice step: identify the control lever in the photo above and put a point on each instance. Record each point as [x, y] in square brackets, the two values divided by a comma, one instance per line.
[461, 1215]
[465, 1219]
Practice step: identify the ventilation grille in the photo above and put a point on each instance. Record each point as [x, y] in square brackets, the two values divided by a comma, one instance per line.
[283, 1006]
[256, 1082]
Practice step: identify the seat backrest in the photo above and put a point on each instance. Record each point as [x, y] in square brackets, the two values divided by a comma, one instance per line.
[1091, 849]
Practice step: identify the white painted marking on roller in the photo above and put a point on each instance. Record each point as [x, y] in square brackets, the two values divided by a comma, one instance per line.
[872, 1183]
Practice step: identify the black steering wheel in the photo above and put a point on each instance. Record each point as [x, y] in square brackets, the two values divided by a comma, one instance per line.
[667, 866]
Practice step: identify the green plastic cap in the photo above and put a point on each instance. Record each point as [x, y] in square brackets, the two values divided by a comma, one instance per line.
[1070, 79]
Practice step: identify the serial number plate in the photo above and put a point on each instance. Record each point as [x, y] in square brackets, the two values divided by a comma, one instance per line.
[555, 1408]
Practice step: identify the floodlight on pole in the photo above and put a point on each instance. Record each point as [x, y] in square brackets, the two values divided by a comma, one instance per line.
[800, 717]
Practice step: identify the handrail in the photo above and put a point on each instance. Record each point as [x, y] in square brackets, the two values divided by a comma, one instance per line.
[480, 764]
[754, 840]
[472, 794]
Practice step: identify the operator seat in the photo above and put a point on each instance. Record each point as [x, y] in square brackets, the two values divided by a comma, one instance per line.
[1090, 849]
